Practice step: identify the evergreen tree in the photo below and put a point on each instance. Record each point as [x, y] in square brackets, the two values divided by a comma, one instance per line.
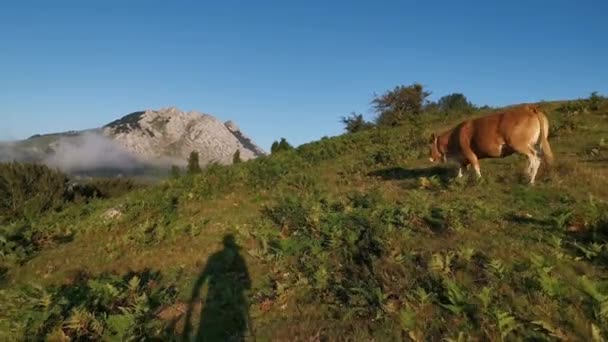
[237, 157]
[193, 163]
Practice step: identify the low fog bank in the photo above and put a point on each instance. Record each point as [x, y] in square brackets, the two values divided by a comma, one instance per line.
[85, 154]
[90, 151]
[9, 152]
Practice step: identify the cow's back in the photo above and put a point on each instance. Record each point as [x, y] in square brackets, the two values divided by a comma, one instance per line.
[494, 135]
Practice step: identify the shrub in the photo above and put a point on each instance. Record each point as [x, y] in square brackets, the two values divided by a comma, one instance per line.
[455, 102]
[175, 171]
[266, 172]
[27, 190]
[356, 123]
[113, 187]
[215, 180]
[400, 104]
[279, 146]
[595, 101]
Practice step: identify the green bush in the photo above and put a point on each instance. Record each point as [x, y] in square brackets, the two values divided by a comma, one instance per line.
[399, 105]
[266, 172]
[109, 187]
[455, 103]
[216, 180]
[28, 190]
[355, 123]
[282, 145]
[594, 102]
[31, 191]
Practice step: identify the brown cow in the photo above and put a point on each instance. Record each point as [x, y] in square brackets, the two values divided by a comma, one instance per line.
[498, 135]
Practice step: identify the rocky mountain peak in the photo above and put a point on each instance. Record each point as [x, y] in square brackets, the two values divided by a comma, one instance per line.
[172, 133]
[138, 140]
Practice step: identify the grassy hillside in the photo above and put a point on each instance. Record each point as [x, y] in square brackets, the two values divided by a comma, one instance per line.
[354, 237]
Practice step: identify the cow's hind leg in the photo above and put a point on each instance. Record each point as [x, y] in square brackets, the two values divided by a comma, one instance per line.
[533, 163]
[535, 166]
[533, 160]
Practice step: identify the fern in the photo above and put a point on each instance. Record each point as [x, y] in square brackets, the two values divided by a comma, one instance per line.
[423, 297]
[550, 285]
[506, 323]
[466, 253]
[432, 182]
[442, 263]
[556, 241]
[540, 263]
[590, 251]
[120, 325]
[103, 293]
[460, 338]
[46, 299]
[596, 334]
[485, 297]
[560, 220]
[456, 296]
[407, 319]
[134, 283]
[550, 330]
[600, 300]
[497, 268]
[84, 324]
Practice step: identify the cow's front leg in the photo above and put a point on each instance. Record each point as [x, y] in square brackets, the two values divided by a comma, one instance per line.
[472, 159]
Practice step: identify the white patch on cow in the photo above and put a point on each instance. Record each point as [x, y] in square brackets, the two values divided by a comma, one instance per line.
[534, 168]
[477, 171]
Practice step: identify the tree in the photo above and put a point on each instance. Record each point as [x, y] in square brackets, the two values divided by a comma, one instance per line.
[431, 107]
[455, 102]
[595, 100]
[355, 123]
[175, 171]
[236, 158]
[282, 145]
[400, 104]
[193, 163]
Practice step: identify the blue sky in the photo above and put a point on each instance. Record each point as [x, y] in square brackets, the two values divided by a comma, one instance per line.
[285, 68]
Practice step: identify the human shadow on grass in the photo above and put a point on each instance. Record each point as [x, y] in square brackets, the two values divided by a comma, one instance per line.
[225, 314]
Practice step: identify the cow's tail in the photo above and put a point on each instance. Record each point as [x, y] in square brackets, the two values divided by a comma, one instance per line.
[544, 134]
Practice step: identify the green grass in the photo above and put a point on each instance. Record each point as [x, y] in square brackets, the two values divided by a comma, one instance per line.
[354, 237]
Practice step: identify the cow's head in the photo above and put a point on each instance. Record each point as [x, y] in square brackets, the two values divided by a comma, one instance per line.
[435, 153]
